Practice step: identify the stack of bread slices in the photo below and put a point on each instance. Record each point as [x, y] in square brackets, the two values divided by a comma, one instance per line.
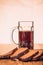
[24, 54]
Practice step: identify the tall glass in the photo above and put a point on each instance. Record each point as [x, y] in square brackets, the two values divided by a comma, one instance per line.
[26, 34]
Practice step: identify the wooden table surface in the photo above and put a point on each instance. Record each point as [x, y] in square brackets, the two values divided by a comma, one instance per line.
[11, 62]
[5, 48]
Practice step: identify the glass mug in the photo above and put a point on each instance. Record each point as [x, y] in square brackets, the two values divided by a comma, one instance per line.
[25, 34]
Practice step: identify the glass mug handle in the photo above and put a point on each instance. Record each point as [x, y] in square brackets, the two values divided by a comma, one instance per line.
[13, 33]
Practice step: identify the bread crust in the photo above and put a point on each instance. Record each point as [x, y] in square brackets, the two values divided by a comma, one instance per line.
[7, 55]
[19, 53]
[39, 56]
[29, 55]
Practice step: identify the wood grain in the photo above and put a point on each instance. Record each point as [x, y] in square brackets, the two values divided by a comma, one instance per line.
[11, 62]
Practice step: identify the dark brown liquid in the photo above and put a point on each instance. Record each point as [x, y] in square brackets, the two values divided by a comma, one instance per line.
[26, 39]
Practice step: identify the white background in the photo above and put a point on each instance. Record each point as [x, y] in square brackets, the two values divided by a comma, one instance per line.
[12, 11]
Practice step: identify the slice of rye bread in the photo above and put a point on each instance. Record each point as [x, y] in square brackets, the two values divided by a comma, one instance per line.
[7, 55]
[28, 56]
[21, 51]
[39, 56]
